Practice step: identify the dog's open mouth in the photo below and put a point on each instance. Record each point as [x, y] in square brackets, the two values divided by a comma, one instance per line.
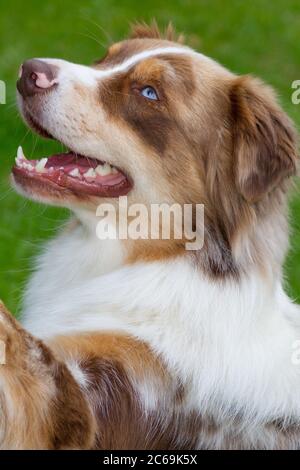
[77, 173]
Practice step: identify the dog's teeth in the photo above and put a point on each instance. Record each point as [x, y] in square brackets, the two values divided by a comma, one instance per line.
[107, 168]
[104, 170]
[20, 157]
[90, 173]
[75, 173]
[28, 166]
[99, 170]
[20, 154]
[40, 166]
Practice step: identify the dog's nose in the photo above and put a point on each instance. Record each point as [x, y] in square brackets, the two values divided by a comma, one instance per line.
[36, 76]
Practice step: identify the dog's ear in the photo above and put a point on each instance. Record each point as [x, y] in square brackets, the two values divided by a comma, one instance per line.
[264, 140]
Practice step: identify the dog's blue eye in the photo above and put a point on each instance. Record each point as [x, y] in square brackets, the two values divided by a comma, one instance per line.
[150, 93]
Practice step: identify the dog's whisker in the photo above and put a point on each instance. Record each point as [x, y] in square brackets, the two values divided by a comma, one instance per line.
[108, 36]
[92, 38]
[6, 194]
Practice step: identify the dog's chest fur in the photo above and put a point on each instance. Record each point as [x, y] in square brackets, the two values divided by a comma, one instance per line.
[228, 344]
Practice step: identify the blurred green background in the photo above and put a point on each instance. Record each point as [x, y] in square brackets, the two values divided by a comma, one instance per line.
[257, 36]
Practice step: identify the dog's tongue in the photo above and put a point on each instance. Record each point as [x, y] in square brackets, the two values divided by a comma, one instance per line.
[70, 160]
[63, 159]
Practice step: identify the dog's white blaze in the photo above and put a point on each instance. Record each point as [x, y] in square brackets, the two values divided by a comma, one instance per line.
[146, 55]
[90, 76]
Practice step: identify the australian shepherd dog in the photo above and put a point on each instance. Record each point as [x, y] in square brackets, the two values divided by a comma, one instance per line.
[141, 343]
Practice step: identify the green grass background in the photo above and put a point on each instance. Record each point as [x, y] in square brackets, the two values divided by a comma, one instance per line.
[250, 36]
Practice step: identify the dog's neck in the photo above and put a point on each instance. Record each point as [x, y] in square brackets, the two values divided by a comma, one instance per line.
[77, 257]
[260, 246]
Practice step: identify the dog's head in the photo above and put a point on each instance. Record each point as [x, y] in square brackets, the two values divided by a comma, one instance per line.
[158, 122]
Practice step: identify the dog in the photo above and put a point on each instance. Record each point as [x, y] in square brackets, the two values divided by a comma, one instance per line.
[140, 343]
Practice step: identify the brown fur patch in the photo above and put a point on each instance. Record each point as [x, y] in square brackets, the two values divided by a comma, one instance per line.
[112, 364]
[153, 121]
[264, 139]
[150, 250]
[73, 423]
[134, 354]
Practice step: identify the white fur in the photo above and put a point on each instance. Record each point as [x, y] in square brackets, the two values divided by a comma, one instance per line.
[77, 372]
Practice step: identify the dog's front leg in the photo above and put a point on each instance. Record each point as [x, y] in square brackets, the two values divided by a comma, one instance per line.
[41, 405]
